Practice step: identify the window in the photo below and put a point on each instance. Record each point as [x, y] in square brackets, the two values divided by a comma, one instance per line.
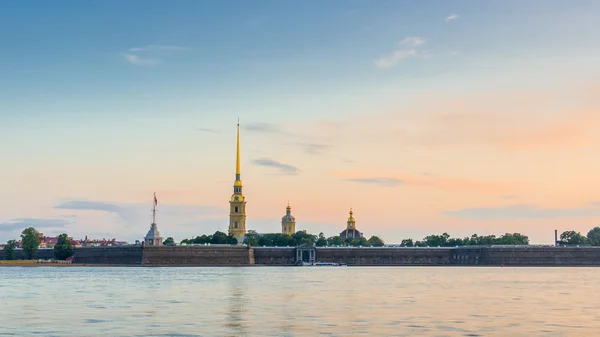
[236, 224]
[236, 209]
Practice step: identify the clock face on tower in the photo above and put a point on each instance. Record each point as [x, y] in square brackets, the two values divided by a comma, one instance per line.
[236, 198]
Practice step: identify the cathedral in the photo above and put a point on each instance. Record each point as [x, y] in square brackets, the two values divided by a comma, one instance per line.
[237, 210]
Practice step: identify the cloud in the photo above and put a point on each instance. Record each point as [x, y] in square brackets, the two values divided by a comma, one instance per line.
[133, 213]
[157, 48]
[431, 181]
[268, 128]
[208, 130]
[517, 212]
[510, 121]
[22, 223]
[451, 17]
[155, 52]
[282, 168]
[136, 60]
[386, 182]
[408, 49]
[312, 148]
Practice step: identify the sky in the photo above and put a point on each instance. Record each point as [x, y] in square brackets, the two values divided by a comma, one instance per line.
[424, 117]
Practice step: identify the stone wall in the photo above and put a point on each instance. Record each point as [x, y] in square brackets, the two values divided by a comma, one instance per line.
[384, 256]
[357, 256]
[274, 256]
[197, 256]
[41, 254]
[541, 256]
[127, 255]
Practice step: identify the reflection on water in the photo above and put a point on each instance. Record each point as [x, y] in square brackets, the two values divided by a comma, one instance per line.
[299, 301]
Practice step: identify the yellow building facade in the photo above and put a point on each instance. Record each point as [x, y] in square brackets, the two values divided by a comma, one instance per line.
[237, 203]
[288, 222]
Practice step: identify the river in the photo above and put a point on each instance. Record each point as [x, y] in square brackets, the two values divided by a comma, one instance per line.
[299, 301]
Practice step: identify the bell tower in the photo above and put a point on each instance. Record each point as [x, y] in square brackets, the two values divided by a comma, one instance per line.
[288, 222]
[237, 204]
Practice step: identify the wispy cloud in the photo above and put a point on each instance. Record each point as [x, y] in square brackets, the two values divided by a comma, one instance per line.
[269, 128]
[436, 182]
[155, 47]
[285, 169]
[138, 61]
[408, 48]
[22, 223]
[451, 17]
[208, 130]
[516, 212]
[154, 54]
[312, 148]
[386, 182]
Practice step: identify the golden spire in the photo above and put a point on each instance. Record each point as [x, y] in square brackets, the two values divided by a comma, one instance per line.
[237, 165]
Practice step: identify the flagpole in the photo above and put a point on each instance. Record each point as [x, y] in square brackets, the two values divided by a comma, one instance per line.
[154, 209]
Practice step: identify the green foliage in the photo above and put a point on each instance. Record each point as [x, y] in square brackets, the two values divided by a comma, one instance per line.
[335, 241]
[407, 243]
[444, 240]
[30, 242]
[9, 249]
[572, 238]
[219, 238]
[169, 242]
[63, 248]
[321, 240]
[375, 241]
[593, 236]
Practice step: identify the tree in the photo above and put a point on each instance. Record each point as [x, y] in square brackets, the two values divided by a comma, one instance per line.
[321, 241]
[335, 241]
[251, 238]
[593, 236]
[30, 242]
[9, 249]
[63, 248]
[169, 242]
[407, 243]
[375, 241]
[301, 238]
[572, 238]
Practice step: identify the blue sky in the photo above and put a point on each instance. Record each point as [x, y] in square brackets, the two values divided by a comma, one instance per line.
[108, 101]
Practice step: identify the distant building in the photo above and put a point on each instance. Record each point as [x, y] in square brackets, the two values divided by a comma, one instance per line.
[288, 222]
[351, 231]
[153, 238]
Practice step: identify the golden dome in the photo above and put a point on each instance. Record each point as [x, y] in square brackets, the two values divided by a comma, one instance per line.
[237, 183]
[351, 218]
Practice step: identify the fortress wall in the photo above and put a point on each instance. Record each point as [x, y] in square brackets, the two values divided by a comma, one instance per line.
[41, 254]
[369, 256]
[541, 256]
[274, 256]
[127, 255]
[197, 256]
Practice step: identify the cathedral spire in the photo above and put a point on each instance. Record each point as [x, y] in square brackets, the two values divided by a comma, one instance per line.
[237, 162]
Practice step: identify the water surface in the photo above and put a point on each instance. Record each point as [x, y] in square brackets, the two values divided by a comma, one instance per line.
[299, 301]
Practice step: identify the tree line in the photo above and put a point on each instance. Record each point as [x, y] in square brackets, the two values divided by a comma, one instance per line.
[30, 243]
[444, 240]
[575, 238]
[254, 239]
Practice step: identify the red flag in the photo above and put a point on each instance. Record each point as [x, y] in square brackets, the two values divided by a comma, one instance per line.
[155, 201]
